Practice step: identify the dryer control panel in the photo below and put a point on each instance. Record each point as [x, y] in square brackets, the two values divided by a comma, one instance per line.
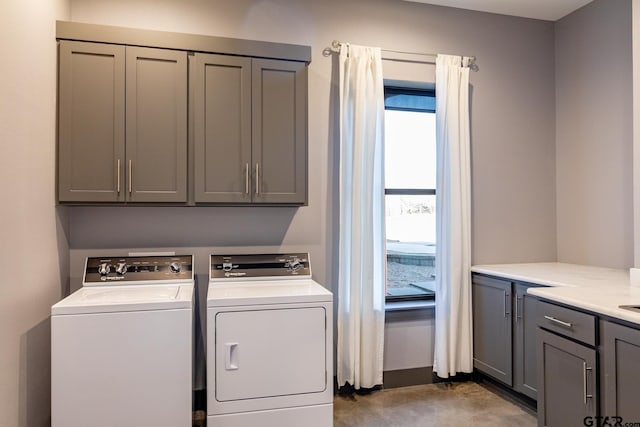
[101, 271]
[262, 266]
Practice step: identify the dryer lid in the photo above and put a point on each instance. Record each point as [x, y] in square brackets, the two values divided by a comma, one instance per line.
[266, 292]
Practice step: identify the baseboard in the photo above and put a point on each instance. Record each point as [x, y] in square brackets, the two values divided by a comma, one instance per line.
[408, 377]
[414, 376]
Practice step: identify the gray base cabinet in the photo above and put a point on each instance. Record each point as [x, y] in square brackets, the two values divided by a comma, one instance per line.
[504, 328]
[492, 348]
[567, 392]
[250, 124]
[524, 348]
[620, 358]
[122, 124]
[567, 366]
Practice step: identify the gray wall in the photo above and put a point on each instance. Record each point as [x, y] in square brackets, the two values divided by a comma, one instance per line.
[594, 135]
[513, 146]
[33, 247]
[636, 131]
[512, 124]
[512, 113]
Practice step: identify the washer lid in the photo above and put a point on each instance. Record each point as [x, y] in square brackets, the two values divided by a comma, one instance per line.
[88, 300]
[253, 292]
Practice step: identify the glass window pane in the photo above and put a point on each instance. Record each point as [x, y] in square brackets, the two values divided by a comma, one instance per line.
[411, 244]
[409, 101]
[410, 150]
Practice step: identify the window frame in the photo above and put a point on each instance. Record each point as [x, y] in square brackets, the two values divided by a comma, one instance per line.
[390, 90]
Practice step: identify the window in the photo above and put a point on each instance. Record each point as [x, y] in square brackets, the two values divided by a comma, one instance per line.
[410, 193]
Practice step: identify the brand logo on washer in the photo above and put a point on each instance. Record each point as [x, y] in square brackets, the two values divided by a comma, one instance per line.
[229, 274]
[112, 278]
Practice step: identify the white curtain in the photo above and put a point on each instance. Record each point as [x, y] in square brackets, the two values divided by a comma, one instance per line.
[361, 266]
[454, 332]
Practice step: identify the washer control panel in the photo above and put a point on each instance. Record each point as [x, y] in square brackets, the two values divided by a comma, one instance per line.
[261, 266]
[137, 269]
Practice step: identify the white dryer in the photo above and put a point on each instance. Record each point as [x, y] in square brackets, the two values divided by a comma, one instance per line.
[269, 343]
[121, 346]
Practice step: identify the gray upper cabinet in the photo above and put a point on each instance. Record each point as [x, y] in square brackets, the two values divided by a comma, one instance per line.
[122, 124]
[279, 149]
[158, 117]
[620, 351]
[249, 130]
[156, 144]
[91, 122]
[222, 128]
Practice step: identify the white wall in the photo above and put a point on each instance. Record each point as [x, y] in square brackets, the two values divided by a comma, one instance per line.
[33, 248]
[594, 135]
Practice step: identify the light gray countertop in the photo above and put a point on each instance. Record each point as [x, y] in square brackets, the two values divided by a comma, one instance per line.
[597, 289]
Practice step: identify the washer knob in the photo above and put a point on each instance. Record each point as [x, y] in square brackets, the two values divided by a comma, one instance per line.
[104, 269]
[295, 265]
[122, 268]
[175, 267]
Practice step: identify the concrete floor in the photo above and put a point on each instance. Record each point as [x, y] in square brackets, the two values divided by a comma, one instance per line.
[441, 405]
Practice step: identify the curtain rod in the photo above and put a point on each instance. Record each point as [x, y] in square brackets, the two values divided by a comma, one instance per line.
[336, 45]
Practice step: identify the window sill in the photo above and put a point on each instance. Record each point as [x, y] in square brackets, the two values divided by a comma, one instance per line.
[409, 305]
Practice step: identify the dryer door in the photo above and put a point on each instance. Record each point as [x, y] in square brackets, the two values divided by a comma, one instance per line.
[270, 353]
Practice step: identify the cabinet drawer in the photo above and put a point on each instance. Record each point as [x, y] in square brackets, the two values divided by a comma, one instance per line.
[565, 321]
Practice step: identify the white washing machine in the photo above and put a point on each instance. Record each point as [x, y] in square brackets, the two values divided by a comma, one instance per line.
[269, 343]
[121, 346]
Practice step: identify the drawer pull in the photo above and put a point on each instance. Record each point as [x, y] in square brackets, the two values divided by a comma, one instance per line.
[559, 322]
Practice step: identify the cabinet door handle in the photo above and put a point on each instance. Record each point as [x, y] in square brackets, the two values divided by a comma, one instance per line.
[507, 297]
[584, 382]
[130, 177]
[518, 309]
[118, 178]
[257, 179]
[246, 179]
[559, 322]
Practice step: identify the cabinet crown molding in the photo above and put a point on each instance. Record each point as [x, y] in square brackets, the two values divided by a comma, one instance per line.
[67, 30]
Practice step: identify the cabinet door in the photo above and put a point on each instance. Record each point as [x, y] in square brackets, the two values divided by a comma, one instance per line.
[279, 150]
[621, 376]
[222, 125]
[566, 381]
[91, 122]
[156, 154]
[492, 327]
[524, 348]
